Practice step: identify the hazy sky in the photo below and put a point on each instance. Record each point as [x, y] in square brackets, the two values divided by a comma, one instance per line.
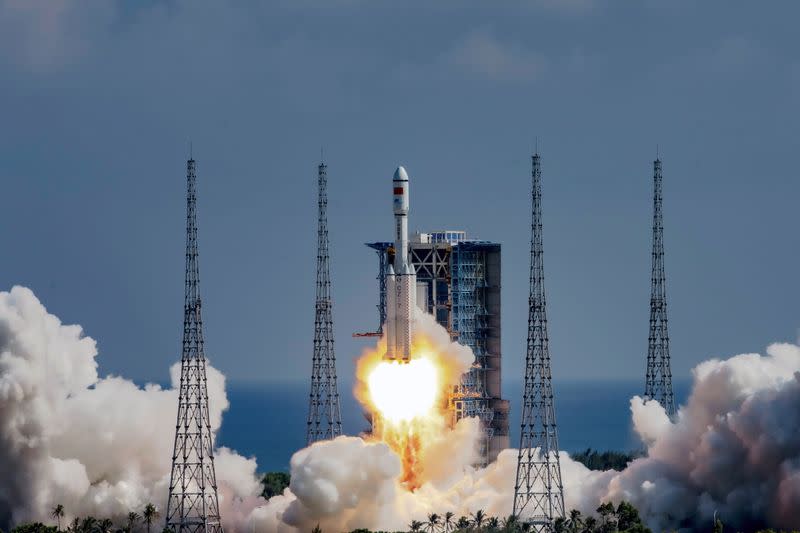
[98, 102]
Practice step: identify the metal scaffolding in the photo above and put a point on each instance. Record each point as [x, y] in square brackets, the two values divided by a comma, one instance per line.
[469, 327]
[538, 491]
[192, 505]
[658, 381]
[324, 416]
[461, 280]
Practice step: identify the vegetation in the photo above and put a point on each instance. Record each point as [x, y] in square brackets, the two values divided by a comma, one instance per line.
[149, 514]
[35, 527]
[58, 514]
[624, 518]
[594, 460]
[273, 484]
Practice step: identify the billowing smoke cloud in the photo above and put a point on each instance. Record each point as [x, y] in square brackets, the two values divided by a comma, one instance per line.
[734, 448]
[101, 446]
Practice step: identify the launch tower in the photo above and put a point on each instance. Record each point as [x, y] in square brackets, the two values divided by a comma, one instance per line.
[538, 492]
[658, 385]
[324, 417]
[458, 281]
[192, 506]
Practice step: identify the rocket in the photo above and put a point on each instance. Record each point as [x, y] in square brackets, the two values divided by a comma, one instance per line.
[401, 279]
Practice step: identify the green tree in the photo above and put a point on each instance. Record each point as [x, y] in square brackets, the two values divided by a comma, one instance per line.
[415, 525]
[34, 527]
[75, 525]
[88, 524]
[493, 524]
[105, 526]
[478, 518]
[447, 521]
[433, 522]
[316, 529]
[510, 524]
[560, 525]
[58, 514]
[594, 460]
[575, 521]
[627, 516]
[273, 484]
[133, 518]
[462, 523]
[149, 514]
[590, 524]
[607, 514]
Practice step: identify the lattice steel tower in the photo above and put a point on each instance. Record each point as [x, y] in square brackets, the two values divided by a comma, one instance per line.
[324, 417]
[658, 384]
[192, 506]
[538, 492]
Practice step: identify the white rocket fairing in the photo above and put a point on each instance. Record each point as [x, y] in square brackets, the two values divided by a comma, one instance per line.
[401, 279]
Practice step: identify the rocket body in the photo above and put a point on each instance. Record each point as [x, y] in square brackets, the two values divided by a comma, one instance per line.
[401, 279]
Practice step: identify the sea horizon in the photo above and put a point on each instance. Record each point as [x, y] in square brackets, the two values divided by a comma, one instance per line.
[267, 420]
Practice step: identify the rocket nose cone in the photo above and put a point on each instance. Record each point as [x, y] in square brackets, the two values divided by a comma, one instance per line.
[400, 174]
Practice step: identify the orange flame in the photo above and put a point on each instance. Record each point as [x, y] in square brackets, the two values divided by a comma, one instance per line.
[407, 401]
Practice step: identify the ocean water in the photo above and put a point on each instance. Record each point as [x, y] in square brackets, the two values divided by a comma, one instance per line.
[268, 421]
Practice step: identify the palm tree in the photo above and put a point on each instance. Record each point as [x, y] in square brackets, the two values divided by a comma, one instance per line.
[316, 529]
[493, 524]
[433, 522]
[589, 524]
[149, 514]
[560, 525]
[478, 518]
[575, 521]
[105, 526]
[462, 523]
[87, 524]
[133, 517]
[58, 513]
[447, 522]
[415, 525]
[75, 525]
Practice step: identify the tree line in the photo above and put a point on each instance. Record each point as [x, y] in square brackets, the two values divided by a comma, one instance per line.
[134, 522]
[624, 518]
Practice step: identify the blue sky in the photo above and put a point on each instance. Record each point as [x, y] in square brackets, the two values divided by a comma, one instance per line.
[100, 99]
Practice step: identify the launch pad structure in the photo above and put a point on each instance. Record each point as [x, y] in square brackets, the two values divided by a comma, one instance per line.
[458, 282]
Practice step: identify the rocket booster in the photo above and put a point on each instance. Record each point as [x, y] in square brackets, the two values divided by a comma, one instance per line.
[401, 279]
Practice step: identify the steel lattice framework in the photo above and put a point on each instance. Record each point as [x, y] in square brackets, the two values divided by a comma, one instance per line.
[192, 506]
[538, 492]
[324, 417]
[658, 384]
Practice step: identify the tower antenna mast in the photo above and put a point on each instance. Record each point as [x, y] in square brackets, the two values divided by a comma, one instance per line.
[192, 506]
[538, 492]
[658, 381]
[324, 416]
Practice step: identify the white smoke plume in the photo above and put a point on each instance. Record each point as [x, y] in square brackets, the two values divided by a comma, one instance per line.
[734, 448]
[101, 446]
[98, 446]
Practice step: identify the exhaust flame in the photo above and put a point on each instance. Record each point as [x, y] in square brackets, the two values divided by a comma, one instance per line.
[402, 392]
[407, 403]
